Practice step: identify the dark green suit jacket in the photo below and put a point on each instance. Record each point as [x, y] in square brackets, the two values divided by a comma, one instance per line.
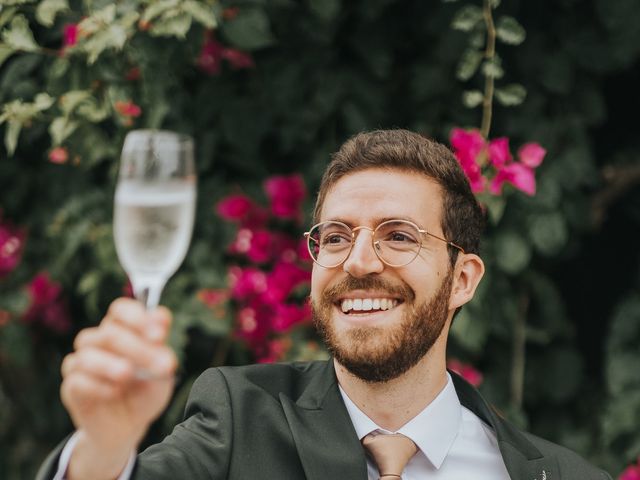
[288, 421]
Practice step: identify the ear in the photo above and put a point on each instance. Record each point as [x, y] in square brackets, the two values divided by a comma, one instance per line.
[467, 274]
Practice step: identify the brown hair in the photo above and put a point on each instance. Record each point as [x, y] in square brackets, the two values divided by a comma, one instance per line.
[462, 218]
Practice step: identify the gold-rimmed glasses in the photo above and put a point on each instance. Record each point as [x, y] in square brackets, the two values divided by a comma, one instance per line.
[395, 242]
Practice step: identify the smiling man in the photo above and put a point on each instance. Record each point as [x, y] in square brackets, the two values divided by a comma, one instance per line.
[395, 248]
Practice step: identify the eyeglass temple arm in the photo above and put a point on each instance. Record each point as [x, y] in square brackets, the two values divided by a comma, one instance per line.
[451, 244]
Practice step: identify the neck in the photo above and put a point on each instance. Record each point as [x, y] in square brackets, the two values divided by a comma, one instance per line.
[392, 404]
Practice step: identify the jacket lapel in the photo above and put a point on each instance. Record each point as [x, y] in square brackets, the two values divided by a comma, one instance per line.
[522, 459]
[322, 430]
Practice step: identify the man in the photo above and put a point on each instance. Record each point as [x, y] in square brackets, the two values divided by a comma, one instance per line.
[395, 247]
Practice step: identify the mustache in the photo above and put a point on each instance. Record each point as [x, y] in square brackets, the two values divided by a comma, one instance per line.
[331, 294]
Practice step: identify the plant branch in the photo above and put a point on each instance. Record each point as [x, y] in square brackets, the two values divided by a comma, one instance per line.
[489, 55]
[519, 352]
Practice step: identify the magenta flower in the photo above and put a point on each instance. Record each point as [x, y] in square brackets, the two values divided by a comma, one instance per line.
[213, 297]
[632, 472]
[237, 59]
[58, 155]
[11, 247]
[531, 154]
[47, 307]
[276, 350]
[289, 315]
[256, 245]
[234, 207]
[518, 175]
[286, 194]
[283, 279]
[246, 282]
[499, 154]
[212, 52]
[467, 147]
[466, 371]
[70, 35]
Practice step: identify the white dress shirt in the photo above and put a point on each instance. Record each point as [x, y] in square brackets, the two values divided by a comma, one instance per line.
[453, 443]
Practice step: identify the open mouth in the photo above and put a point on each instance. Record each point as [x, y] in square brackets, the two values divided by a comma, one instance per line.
[366, 305]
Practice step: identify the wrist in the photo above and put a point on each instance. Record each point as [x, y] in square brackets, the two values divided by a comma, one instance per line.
[98, 461]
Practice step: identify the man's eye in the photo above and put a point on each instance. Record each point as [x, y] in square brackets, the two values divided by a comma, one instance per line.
[400, 237]
[335, 239]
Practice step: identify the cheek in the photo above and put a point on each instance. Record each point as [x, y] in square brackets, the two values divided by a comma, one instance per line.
[319, 280]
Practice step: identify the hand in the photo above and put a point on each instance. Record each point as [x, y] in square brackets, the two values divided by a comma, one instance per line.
[110, 404]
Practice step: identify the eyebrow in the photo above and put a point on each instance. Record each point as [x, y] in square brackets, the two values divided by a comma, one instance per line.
[376, 221]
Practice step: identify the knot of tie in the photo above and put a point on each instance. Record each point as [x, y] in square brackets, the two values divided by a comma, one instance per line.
[390, 452]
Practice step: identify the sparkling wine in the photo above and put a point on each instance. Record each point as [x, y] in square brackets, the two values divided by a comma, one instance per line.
[152, 229]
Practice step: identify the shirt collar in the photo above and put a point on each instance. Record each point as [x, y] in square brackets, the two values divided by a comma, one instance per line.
[433, 430]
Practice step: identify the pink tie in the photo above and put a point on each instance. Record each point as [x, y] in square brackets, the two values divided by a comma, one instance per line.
[390, 452]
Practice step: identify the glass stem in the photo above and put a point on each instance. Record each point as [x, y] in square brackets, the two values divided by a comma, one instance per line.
[149, 293]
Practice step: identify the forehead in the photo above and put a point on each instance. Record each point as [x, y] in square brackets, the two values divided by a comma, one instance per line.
[373, 195]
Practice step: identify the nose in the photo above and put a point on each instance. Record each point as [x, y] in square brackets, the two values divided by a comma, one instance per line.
[362, 259]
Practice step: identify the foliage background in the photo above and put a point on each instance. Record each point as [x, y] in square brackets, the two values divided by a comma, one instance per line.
[556, 328]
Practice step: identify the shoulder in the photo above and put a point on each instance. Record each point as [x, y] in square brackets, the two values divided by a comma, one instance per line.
[572, 465]
[291, 378]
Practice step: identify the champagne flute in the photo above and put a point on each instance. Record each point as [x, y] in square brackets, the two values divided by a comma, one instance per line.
[154, 209]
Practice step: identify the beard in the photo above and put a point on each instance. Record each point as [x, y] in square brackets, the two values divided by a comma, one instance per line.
[379, 354]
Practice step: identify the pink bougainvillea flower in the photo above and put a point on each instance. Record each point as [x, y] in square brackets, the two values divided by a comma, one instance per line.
[128, 108]
[276, 350]
[518, 175]
[210, 56]
[213, 297]
[283, 279]
[234, 207]
[133, 74]
[632, 472]
[499, 154]
[11, 247]
[531, 154]
[47, 307]
[289, 315]
[467, 145]
[70, 35]
[303, 251]
[466, 371]
[246, 282]
[237, 59]
[58, 155]
[286, 194]
[256, 245]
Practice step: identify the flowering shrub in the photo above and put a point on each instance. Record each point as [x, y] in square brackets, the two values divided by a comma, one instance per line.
[466, 371]
[47, 309]
[269, 290]
[11, 246]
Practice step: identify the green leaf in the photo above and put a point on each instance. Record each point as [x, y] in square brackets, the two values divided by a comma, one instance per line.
[511, 95]
[19, 35]
[472, 98]
[173, 26]
[468, 64]
[467, 18]
[512, 252]
[48, 9]
[495, 205]
[250, 30]
[548, 232]
[201, 13]
[470, 331]
[60, 129]
[6, 14]
[327, 10]
[70, 100]
[158, 8]
[509, 31]
[493, 68]
[494, 3]
[11, 135]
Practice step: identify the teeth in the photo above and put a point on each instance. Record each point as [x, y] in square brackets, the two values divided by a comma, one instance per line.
[367, 304]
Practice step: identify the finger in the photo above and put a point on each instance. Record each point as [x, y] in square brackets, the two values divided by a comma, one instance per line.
[98, 363]
[154, 324]
[158, 358]
[127, 312]
[80, 390]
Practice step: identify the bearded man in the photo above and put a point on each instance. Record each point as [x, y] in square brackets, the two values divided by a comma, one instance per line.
[395, 247]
